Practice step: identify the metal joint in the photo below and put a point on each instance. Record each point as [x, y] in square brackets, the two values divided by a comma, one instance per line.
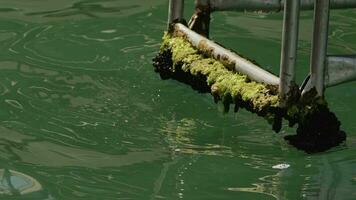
[175, 12]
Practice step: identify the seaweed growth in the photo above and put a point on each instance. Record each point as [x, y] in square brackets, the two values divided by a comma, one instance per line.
[318, 128]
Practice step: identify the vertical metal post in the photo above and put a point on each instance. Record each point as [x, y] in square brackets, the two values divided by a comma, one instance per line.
[200, 21]
[202, 3]
[289, 48]
[319, 46]
[176, 10]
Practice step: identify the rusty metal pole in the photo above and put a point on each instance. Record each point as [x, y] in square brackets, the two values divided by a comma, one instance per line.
[200, 21]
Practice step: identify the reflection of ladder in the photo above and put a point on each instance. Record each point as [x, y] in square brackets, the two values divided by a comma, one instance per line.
[325, 70]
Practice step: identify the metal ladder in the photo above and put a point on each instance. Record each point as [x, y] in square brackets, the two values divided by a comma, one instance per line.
[325, 70]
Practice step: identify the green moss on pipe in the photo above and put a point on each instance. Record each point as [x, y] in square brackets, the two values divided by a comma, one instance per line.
[318, 128]
[225, 84]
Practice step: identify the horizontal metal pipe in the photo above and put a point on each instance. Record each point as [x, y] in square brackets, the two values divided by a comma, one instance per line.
[245, 5]
[240, 64]
[340, 69]
[270, 5]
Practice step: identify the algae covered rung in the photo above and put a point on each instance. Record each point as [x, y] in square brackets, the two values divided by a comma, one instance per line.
[224, 83]
[178, 59]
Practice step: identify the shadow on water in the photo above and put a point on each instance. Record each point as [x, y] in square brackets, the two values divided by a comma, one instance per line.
[87, 7]
[8, 10]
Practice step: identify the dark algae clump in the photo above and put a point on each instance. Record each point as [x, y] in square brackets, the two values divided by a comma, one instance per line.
[318, 128]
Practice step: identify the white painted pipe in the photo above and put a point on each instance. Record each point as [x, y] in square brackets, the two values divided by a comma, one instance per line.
[240, 64]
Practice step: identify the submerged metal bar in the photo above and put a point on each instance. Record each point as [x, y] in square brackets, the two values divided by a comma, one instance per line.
[340, 69]
[271, 5]
[289, 48]
[175, 12]
[319, 45]
[239, 64]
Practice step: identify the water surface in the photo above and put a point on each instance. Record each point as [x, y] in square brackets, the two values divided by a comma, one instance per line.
[83, 113]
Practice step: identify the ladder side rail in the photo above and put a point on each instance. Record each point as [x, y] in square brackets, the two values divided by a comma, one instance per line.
[289, 49]
[175, 11]
[319, 45]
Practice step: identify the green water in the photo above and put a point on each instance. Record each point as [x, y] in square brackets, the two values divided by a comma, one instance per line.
[83, 113]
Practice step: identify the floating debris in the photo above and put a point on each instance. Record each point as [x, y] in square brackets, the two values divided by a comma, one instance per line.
[281, 166]
[13, 183]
